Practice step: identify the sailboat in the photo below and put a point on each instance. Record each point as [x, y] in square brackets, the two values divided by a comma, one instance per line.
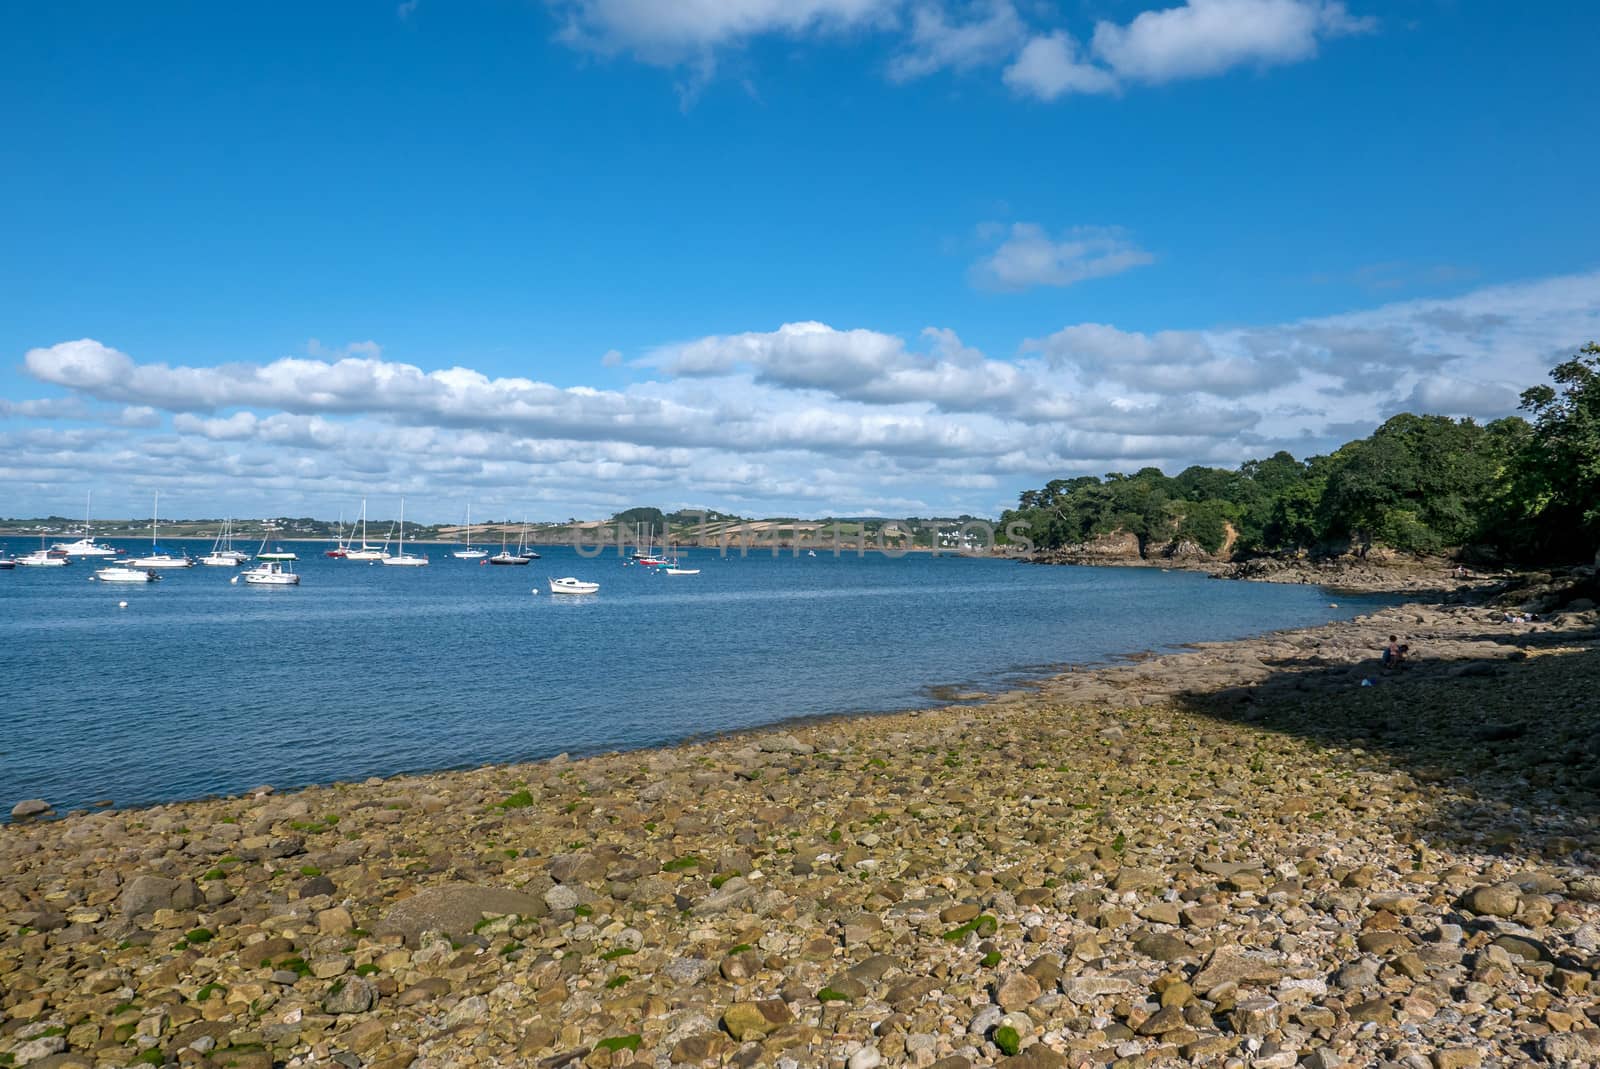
[160, 558]
[276, 552]
[466, 552]
[222, 554]
[341, 548]
[365, 551]
[505, 556]
[525, 548]
[404, 559]
[85, 546]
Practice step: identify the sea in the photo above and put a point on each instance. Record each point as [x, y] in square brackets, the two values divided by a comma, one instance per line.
[197, 685]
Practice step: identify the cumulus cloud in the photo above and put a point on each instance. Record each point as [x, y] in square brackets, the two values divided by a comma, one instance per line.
[1197, 38]
[1050, 66]
[1207, 37]
[1029, 257]
[690, 30]
[939, 42]
[803, 418]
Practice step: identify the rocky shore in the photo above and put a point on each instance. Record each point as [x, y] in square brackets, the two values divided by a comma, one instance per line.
[1244, 854]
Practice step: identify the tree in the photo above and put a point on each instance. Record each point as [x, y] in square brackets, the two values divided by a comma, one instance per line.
[1559, 470]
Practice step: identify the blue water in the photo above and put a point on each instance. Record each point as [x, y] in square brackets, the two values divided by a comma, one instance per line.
[203, 687]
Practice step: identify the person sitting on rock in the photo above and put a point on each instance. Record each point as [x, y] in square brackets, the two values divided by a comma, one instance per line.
[1391, 652]
[1401, 654]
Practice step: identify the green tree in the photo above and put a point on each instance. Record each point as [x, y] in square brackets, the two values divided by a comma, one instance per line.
[1558, 476]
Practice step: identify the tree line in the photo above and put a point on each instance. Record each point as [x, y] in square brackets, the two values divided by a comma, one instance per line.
[1523, 489]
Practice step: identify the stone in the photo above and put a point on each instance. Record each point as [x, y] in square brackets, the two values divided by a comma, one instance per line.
[1499, 900]
[867, 1057]
[1164, 946]
[354, 994]
[1377, 1009]
[1015, 991]
[1457, 1058]
[1136, 879]
[1164, 1020]
[699, 1048]
[1082, 989]
[143, 895]
[455, 909]
[1235, 965]
[755, 1018]
[30, 807]
[561, 897]
[1037, 1056]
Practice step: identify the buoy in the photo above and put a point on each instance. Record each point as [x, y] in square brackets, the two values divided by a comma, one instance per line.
[234, 580]
[534, 591]
[122, 604]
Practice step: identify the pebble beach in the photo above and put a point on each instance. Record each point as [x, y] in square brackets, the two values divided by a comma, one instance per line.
[1265, 853]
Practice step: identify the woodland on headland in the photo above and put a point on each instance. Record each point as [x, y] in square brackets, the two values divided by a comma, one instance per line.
[1517, 490]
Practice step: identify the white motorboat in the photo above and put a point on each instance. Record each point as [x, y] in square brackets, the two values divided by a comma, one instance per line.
[120, 573]
[85, 546]
[404, 559]
[222, 554]
[270, 573]
[364, 551]
[569, 585]
[680, 571]
[43, 558]
[468, 551]
[158, 557]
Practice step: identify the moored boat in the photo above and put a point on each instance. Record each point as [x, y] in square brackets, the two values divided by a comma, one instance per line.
[121, 573]
[505, 556]
[158, 557]
[569, 585]
[271, 573]
[85, 546]
[404, 559]
[43, 558]
[364, 551]
[222, 554]
[468, 551]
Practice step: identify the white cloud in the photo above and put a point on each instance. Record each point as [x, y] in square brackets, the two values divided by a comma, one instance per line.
[805, 418]
[1194, 39]
[936, 43]
[612, 358]
[1208, 37]
[1049, 66]
[669, 33]
[1029, 256]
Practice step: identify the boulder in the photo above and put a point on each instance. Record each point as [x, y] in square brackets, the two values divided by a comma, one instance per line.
[455, 909]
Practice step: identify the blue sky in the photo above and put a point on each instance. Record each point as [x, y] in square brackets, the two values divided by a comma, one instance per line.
[797, 256]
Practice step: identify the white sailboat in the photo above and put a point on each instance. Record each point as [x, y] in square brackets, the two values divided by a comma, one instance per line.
[506, 557]
[222, 554]
[404, 559]
[364, 551]
[467, 552]
[85, 546]
[276, 552]
[269, 573]
[158, 557]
